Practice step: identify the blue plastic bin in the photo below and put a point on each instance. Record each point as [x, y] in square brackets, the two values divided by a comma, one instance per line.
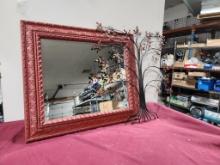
[205, 84]
[217, 86]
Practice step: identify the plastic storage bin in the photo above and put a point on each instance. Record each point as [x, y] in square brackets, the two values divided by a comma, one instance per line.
[205, 84]
[217, 86]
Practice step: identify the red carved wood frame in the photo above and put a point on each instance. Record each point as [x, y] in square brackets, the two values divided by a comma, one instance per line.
[35, 126]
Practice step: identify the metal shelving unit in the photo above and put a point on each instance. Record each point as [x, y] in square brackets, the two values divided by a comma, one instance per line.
[208, 27]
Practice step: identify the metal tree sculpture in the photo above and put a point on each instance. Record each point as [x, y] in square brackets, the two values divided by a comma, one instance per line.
[147, 44]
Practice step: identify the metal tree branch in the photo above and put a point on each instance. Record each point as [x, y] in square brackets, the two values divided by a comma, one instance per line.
[144, 48]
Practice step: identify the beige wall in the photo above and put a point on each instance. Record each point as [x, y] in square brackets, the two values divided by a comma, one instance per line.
[148, 15]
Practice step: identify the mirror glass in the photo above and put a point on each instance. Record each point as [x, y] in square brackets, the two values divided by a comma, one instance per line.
[82, 77]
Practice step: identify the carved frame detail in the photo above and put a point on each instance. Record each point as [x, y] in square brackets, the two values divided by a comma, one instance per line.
[35, 126]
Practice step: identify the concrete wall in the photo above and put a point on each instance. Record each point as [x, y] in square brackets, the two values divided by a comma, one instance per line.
[148, 15]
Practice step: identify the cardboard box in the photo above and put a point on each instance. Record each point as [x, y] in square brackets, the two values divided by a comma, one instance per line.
[179, 75]
[213, 42]
[183, 83]
[178, 64]
[178, 82]
[197, 74]
[107, 106]
[191, 81]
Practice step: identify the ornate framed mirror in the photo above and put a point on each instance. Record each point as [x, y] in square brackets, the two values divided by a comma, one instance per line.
[75, 79]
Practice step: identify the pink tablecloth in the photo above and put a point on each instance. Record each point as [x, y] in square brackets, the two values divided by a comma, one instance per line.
[173, 139]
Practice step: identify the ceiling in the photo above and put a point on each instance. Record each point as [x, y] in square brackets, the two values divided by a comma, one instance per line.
[172, 3]
[64, 62]
[194, 6]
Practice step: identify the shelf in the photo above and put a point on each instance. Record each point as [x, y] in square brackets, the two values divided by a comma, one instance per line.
[194, 89]
[178, 106]
[197, 69]
[168, 48]
[190, 69]
[197, 47]
[200, 28]
[167, 68]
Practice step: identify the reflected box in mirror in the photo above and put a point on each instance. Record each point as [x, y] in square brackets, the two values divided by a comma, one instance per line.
[107, 106]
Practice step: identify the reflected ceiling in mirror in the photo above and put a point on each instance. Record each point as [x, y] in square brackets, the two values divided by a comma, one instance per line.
[78, 78]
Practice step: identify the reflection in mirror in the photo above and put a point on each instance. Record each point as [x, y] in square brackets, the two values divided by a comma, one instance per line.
[82, 77]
